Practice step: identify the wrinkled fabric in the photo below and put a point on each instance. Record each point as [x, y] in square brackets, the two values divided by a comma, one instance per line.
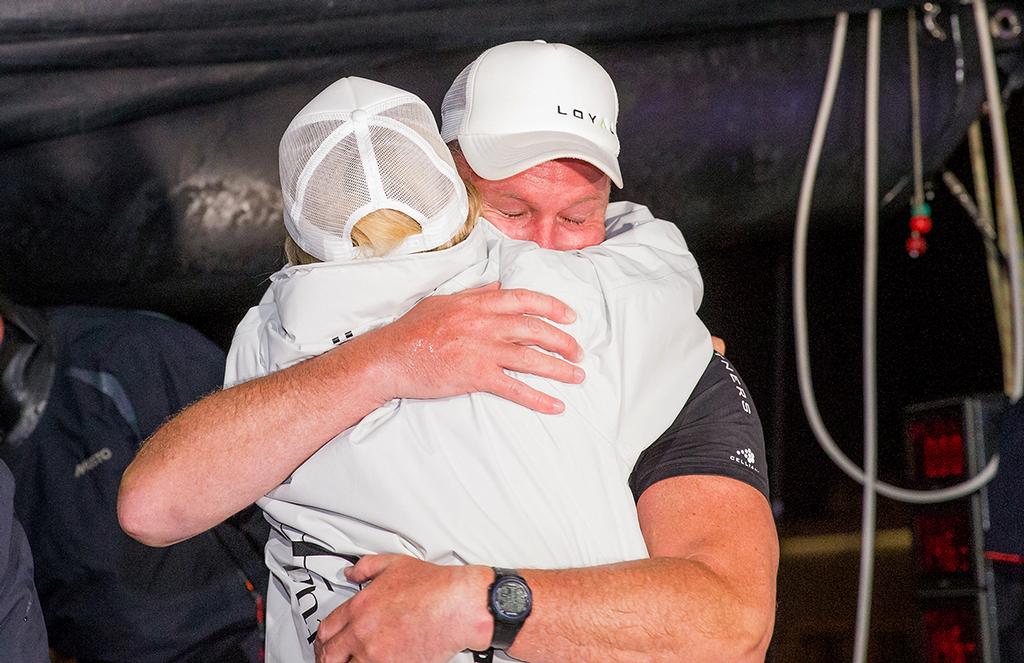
[26, 372]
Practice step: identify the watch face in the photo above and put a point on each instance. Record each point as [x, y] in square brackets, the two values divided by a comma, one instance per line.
[512, 599]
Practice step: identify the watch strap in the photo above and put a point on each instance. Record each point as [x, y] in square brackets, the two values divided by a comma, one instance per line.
[504, 634]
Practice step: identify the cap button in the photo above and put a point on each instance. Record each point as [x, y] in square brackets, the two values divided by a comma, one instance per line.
[359, 115]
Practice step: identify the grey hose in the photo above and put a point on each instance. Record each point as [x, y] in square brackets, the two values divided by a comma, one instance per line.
[803, 360]
[867, 528]
[1007, 194]
[1008, 201]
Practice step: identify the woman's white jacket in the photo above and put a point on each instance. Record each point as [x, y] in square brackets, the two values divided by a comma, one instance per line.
[476, 479]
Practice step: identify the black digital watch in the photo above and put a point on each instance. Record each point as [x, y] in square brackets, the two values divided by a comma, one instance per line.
[510, 601]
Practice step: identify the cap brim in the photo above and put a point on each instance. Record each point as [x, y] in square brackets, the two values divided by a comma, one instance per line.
[497, 156]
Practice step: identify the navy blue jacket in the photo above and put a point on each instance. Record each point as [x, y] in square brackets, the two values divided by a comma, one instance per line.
[106, 597]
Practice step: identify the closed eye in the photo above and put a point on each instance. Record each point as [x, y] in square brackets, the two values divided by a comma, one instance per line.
[511, 215]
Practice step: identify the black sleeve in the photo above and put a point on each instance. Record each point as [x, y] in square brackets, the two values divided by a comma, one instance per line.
[22, 631]
[717, 432]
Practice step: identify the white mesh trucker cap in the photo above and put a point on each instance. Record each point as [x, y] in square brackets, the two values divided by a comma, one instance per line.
[361, 146]
[526, 102]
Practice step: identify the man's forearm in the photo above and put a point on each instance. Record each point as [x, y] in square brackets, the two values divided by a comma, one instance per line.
[610, 613]
[224, 452]
[662, 609]
[706, 594]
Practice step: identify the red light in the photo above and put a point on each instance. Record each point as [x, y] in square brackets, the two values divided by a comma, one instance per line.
[1008, 558]
[938, 447]
[944, 542]
[950, 636]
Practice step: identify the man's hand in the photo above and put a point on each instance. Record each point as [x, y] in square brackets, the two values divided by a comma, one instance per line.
[449, 345]
[410, 611]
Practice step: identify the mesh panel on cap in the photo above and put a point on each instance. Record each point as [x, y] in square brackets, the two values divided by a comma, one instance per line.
[453, 108]
[408, 176]
[336, 189]
[421, 120]
[297, 146]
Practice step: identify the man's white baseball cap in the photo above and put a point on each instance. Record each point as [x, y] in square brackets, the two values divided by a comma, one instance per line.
[361, 146]
[526, 102]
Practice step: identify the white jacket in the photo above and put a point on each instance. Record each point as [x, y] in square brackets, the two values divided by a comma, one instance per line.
[476, 479]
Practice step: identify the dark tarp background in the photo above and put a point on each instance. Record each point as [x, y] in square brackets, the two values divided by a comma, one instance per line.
[138, 168]
[139, 139]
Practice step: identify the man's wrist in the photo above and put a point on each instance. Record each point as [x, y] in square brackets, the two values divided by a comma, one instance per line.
[471, 597]
[361, 371]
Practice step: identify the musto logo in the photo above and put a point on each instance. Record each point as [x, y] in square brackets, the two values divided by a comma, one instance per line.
[90, 463]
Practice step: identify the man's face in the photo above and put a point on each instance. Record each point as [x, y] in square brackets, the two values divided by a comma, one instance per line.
[558, 204]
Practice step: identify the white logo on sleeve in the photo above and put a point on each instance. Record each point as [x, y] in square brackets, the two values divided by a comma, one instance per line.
[745, 457]
[738, 384]
[92, 461]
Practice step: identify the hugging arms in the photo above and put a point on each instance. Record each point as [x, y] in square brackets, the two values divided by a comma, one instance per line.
[706, 589]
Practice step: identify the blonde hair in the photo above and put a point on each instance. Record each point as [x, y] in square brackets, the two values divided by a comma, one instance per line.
[382, 230]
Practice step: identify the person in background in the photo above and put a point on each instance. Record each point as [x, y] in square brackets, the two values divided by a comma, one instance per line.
[81, 388]
[22, 631]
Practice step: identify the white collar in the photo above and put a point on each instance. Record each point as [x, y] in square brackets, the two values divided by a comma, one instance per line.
[327, 300]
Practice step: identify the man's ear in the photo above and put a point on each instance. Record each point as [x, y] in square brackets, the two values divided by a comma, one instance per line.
[461, 165]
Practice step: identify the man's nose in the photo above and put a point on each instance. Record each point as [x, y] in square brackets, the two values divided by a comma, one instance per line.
[544, 233]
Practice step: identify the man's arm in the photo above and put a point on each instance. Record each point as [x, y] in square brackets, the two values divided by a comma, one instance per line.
[706, 594]
[229, 449]
[714, 557]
